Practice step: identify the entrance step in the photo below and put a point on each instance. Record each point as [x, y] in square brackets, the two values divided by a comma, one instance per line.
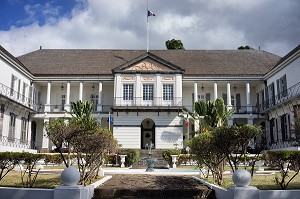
[152, 186]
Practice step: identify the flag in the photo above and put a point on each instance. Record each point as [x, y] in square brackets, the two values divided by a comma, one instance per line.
[150, 13]
[187, 123]
[110, 118]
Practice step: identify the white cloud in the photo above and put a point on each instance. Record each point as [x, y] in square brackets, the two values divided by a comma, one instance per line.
[119, 24]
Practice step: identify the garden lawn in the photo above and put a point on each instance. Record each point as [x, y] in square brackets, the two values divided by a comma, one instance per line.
[263, 182]
[48, 181]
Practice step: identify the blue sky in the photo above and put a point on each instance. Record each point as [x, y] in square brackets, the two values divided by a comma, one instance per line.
[20, 13]
[272, 25]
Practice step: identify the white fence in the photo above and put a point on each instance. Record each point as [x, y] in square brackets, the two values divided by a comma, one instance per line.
[250, 192]
[60, 192]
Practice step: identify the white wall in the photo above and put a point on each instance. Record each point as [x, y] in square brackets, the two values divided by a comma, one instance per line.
[127, 129]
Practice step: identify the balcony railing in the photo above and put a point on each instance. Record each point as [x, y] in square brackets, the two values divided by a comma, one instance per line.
[62, 108]
[237, 109]
[282, 97]
[16, 96]
[155, 101]
[18, 143]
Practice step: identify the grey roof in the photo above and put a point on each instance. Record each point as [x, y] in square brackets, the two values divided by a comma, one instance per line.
[47, 62]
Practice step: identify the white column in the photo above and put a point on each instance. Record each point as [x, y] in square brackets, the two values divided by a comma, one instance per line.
[138, 99]
[118, 92]
[228, 95]
[195, 91]
[99, 105]
[158, 94]
[67, 105]
[178, 90]
[249, 108]
[47, 105]
[45, 140]
[215, 91]
[80, 90]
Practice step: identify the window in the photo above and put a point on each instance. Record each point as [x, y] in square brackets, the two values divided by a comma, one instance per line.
[24, 91]
[128, 92]
[12, 84]
[95, 100]
[23, 130]
[19, 88]
[168, 92]
[12, 125]
[147, 92]
[63, 102]
[1, 118]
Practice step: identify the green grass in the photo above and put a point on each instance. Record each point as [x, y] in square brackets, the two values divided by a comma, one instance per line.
[262, 182]
[47, 181]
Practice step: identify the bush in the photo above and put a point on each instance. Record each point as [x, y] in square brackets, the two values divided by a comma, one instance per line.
[8, 160]
[285, 160]
[166, 153]
[133, 155]
[110, 159]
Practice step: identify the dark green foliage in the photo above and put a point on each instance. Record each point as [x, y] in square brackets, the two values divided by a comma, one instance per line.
[284, 160]
[133, 155]
[166, 154]
[297, 128]
[174, 44]
[110, 159]
[55, 158]
[245, 48]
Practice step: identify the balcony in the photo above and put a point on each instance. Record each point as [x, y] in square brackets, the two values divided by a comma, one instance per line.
[62, 108]
[140, 102]
[17, 97]
[18, 143]
[289, 94]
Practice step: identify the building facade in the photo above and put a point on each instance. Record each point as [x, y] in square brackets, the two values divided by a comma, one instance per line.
[139, 95]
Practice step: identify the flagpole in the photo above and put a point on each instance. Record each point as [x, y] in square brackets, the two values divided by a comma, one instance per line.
[147, 28]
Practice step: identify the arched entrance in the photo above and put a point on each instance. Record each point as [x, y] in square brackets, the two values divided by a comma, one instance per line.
[147, 132]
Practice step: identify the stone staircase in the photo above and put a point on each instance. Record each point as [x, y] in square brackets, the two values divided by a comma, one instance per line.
[156, 154]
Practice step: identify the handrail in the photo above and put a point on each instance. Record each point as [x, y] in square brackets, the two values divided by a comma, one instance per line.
[16, 96]
[15, 142]
[284, 96]
[140, 101]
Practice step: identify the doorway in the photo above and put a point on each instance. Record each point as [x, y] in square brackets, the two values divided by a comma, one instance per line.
[147, 132]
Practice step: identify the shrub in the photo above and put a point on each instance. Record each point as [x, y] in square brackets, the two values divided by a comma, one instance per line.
[110, 159]
[285, 160]
[166, 154]
[27, 175]
[133, 155]
[8, 160]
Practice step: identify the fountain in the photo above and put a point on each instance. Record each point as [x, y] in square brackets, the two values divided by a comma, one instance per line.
[150, 161]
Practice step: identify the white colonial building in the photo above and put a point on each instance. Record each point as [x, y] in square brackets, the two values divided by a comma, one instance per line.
[145, 92]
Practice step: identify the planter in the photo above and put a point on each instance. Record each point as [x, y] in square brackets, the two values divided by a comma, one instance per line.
[150, 165]
[174, 160]
[122, 157]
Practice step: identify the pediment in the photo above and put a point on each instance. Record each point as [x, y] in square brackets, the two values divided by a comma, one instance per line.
[148, 63]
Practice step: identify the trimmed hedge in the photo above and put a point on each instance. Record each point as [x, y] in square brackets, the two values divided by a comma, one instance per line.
[133, 155]
[166, 154]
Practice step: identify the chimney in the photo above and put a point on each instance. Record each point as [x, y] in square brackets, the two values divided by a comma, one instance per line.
[40, 47]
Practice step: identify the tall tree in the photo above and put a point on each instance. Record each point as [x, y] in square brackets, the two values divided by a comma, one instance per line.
[174, 44]
[245, 48]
